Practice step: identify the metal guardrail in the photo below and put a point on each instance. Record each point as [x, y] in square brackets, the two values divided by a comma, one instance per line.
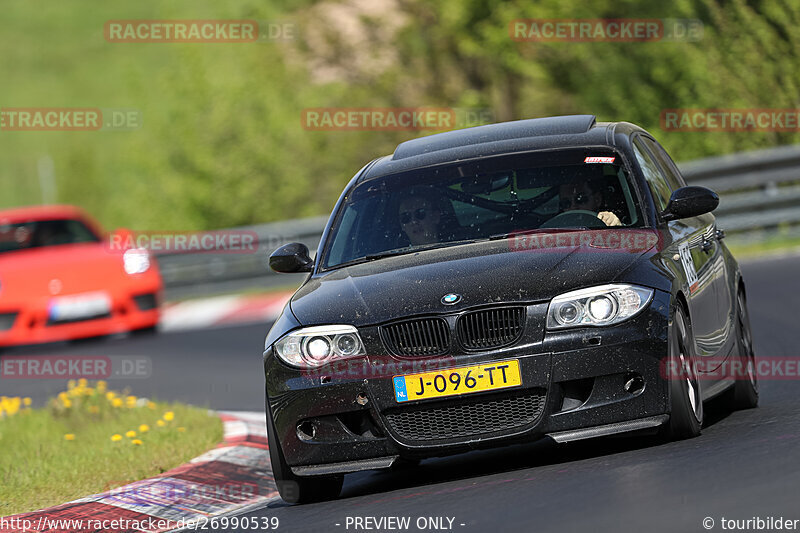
[759, 193]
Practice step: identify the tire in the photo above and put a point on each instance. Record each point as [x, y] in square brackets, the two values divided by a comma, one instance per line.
[744, 394]
[298, 489]
[686, 403]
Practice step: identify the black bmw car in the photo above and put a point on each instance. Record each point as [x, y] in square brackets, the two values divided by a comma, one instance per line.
[546, 278]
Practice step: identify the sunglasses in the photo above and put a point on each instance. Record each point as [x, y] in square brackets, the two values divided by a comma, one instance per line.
[418, 214]
[578, 199]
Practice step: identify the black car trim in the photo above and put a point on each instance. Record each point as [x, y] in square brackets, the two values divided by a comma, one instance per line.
[344, 467]
[608, 429]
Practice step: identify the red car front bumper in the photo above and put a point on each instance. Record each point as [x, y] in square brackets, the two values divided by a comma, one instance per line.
[133, 307]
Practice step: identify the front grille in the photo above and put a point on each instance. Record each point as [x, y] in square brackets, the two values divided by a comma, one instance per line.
[145, 302]
[491, 328]
[424, 336]
[467, 418]
[7, 320]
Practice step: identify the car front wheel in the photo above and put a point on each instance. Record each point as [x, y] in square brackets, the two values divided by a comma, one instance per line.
[686, 414]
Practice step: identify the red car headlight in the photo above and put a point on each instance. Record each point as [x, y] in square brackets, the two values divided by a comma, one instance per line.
[136, 261]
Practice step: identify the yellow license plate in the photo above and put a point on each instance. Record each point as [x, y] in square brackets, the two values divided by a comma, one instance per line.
[456, 381]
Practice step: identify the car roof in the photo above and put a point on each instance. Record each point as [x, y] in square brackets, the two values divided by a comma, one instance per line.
[498, 139]
[42, 212]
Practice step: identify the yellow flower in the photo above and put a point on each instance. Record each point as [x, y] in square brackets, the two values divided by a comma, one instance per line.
[69, 436]
[63, 396]
[67, 403]
[110, 395]
[71, 384]
[26, 402]
[82, 382]
[11, 405]
[151, 405]
[130, 401]
[137, 442]
[94, 409]
[116, 437]
[168, 416]
[101, 386]
[161, 423]
[116, 402]
[181, 429]
[88, 391]
[130, 434]
[144, 428]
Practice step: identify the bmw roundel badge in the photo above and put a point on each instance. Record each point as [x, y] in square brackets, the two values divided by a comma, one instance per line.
[451, 299]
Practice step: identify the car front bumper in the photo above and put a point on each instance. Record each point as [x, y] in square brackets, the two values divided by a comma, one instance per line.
[135, 305]
[576, 384]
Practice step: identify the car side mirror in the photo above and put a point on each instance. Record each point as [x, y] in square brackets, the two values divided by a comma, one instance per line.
[292, 257]
[689, 202]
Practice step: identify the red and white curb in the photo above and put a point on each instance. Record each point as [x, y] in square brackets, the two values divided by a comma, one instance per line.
[233, 478]
[222, 311]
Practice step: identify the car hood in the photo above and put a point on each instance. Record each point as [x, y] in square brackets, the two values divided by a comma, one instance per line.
[482, 273]
[77, 267]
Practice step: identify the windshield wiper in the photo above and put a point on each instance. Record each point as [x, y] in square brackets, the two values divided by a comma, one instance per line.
[423, 248]
[402, 251]
[501, 236]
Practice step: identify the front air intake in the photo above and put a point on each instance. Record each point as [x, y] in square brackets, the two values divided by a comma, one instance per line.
[491, 328]
[418, 337]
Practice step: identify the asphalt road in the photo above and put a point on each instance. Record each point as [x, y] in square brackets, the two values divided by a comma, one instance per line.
[743, 466]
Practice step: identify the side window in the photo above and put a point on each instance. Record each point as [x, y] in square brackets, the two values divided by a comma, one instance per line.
[652, 173]
[674, 178]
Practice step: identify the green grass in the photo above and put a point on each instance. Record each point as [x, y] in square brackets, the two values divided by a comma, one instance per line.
[39, 467]
[765, 247]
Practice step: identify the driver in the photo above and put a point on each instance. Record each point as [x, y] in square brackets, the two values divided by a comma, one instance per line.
[586, 196]
[419, 218]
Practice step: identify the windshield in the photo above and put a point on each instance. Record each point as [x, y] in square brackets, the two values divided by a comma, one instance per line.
[41, 233]
[478, 200]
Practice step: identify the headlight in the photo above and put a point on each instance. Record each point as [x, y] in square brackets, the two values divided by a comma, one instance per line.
[597, 306]
[319, 345]
[136, 260]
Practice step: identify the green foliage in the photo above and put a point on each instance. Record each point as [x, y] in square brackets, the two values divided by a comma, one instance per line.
[222, 144]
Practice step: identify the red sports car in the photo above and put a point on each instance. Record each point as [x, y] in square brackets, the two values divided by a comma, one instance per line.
[61, 278]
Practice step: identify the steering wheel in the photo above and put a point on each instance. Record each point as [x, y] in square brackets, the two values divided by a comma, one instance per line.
[578, 218]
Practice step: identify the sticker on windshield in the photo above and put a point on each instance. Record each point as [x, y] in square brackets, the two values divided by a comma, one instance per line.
[599, 159]
[688, 265]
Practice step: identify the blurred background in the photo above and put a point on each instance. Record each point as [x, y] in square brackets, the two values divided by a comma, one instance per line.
[221, 142]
